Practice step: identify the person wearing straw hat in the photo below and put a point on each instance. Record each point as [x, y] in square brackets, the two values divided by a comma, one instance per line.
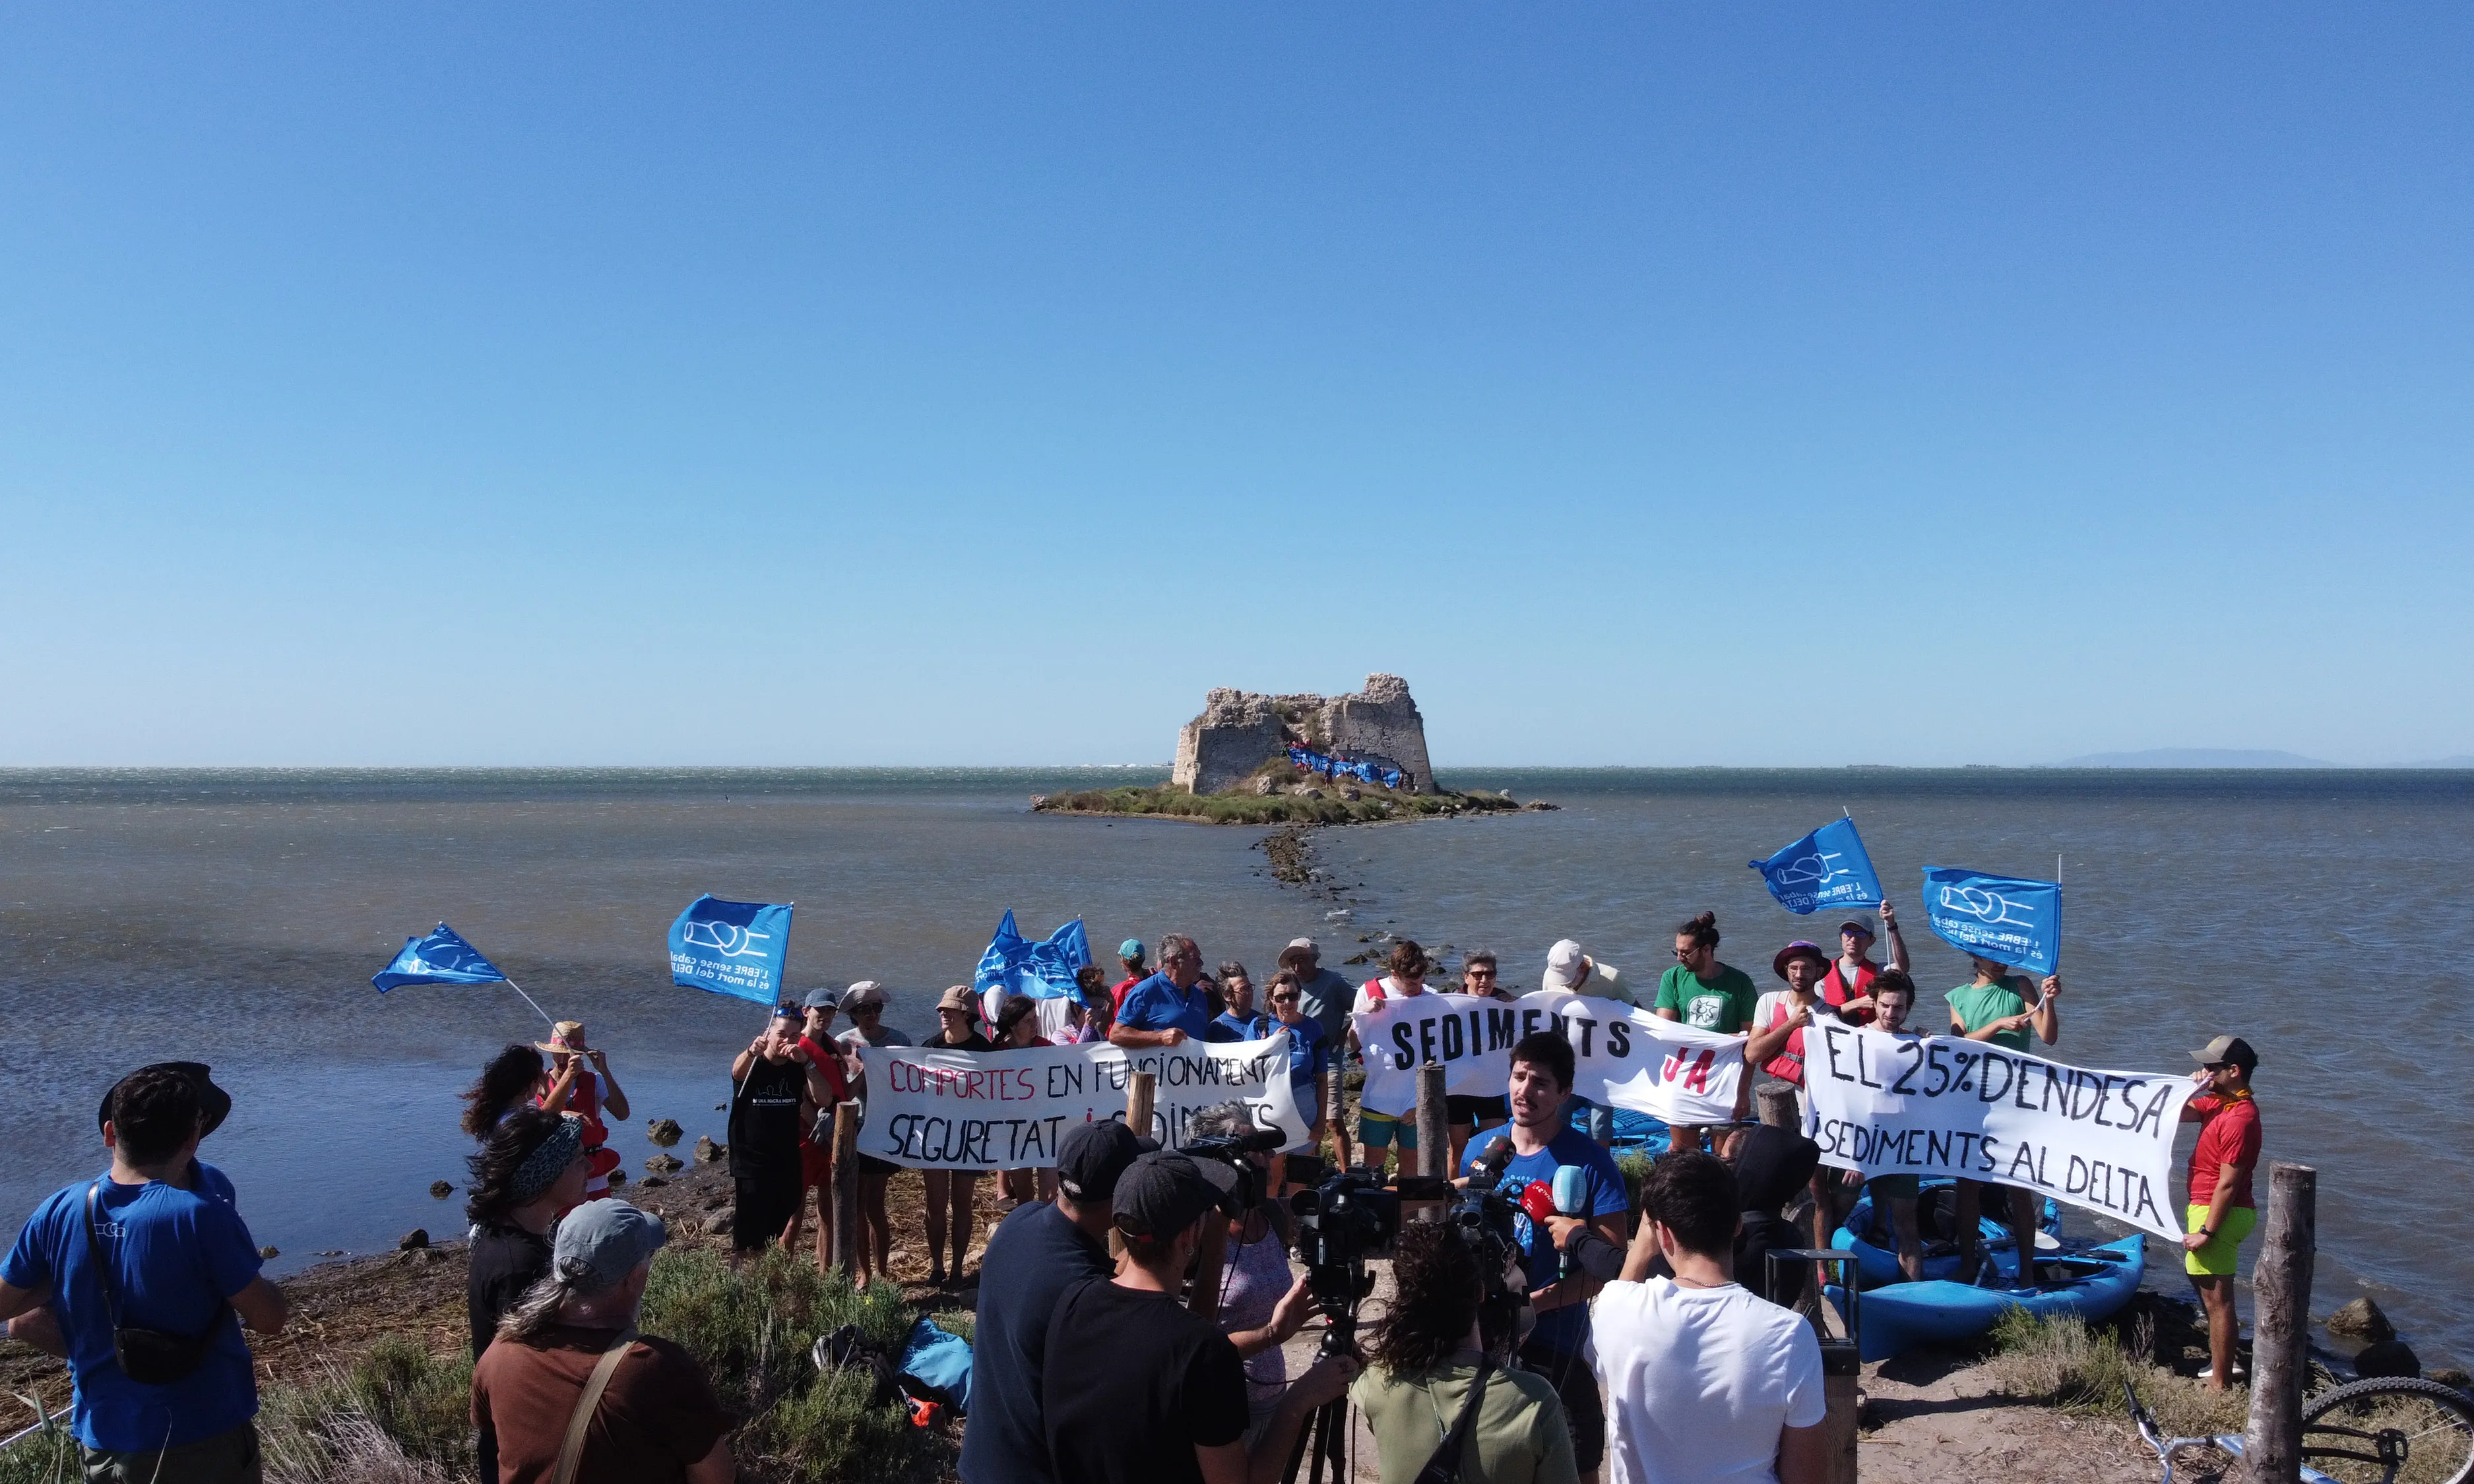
[864, 1003]
[590, 1090]
[949, 1191]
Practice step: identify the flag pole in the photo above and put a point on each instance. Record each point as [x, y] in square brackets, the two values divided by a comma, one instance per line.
[535, 1004]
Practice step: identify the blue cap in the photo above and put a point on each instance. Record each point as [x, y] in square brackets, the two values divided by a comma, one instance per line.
[1131, 948]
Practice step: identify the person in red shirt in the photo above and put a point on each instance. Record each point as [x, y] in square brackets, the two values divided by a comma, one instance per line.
[2220, 1211]
[1129, 953]
[580, 1082]
[817, 1046]
[1847, 986]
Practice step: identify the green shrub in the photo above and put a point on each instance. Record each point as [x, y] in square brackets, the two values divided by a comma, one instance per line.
[2066, 1363]
[45, 1458]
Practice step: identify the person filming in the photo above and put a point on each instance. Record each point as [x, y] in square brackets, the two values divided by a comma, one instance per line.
[1426, 1357]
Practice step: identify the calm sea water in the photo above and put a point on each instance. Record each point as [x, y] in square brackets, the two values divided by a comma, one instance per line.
[235, 918]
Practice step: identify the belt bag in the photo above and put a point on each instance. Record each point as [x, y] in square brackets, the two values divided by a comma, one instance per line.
[149, 1358]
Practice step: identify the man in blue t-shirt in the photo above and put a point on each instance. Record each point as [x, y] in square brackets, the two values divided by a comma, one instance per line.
[174, 1260]
[1542, 1142]
[1169, 1007]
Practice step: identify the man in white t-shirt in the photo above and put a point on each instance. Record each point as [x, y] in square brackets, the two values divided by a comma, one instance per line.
[1706, 1384]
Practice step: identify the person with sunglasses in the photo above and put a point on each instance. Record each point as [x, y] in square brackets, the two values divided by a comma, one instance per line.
[1309, 1068]
[2220, 1211]
[1701, 992]
[1472, 1113]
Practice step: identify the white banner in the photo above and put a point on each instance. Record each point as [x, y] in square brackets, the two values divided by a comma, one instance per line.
[936, 1109]
[1939, 1105]
[1621, 1057]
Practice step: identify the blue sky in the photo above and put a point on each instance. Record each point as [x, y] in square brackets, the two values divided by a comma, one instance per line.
[925, 384]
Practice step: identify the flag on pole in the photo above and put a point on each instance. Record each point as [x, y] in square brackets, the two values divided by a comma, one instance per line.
[1042, 970]
[2008, 919]
[1826, 867]
[438, 957]
[732, 947]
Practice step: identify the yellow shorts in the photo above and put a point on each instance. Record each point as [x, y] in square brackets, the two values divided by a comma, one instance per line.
[2217, 1258]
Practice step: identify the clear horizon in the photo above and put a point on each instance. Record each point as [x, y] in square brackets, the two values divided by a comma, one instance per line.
[784, 387]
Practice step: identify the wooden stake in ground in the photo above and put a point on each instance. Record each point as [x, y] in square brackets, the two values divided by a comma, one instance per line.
[1434, 1137]
[847, 1235]
[2280, 1328]
[1778, 1106]
[1139, 1094]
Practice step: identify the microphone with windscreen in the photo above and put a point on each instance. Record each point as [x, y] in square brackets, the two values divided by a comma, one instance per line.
[1572, 1193]
[1487, 1173]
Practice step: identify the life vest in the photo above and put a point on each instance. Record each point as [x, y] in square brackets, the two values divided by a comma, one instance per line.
[1835, 991]
[584, 1100]
[1788, 1065]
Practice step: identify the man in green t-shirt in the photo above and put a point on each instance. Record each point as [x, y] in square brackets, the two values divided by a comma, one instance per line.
[1703, 993]
[1993, 1007]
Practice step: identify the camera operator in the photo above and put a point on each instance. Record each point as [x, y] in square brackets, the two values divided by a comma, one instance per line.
[1254, 1275]
[1425, 1358]
[1542, 1142]
[1034, 1255]
[1135, 1389]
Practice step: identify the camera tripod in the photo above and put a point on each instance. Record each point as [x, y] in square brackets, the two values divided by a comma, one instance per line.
[1325, 1434]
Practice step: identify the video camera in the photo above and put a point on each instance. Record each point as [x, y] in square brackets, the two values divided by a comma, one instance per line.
[1341, 1222]
[1231, 1151]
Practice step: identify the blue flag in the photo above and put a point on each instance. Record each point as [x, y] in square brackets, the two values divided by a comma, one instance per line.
[1042, 970]
[441, 957]
[732, 947]
[2004, 919]
[1826, 867]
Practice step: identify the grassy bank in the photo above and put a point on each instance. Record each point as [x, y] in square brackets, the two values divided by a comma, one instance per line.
[398, 1412]
[1293, 798]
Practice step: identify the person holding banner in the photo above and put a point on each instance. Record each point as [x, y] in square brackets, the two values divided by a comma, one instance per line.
[2220, 1211]
[1894, 998]
[1168, 1007]
[1309, 1070]
[1407, 980]
[1993, 1007]
[1018, 1030]
[1703, 993]
[950, 1191]
[1471, 1112]
[1238, 1019]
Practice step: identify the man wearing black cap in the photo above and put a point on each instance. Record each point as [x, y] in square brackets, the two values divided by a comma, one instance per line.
[1035, 1253]
[2220, 1212]
[1136, 1389]
[154, 1245]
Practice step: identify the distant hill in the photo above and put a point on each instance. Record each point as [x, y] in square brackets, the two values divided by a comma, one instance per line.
[2202, 757]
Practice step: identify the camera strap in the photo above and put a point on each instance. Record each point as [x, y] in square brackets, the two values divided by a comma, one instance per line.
[1445, 1465]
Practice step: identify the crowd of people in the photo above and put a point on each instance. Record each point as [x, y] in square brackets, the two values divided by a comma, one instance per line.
[1646, 1337]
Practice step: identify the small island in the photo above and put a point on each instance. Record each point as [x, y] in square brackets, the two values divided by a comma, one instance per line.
[1297, 760]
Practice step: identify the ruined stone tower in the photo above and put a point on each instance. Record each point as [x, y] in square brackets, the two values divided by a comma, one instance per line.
[1239, 729]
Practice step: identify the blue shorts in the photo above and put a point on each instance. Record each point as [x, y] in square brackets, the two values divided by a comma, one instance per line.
[1377, 1131]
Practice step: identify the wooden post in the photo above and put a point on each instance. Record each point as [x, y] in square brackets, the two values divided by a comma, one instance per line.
[1335, 1107]
[1138, 1103]
[1434, 1137]
[849, 1239]
[1778, 1107]
[2280, 1288]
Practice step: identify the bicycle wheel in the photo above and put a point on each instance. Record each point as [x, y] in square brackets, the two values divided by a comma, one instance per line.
[2390, 1429]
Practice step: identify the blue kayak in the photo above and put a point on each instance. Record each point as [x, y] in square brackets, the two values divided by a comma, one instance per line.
[1880, 1264]
[2091, 1285]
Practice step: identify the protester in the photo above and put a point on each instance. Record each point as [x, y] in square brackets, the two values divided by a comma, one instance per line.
[864, 1003]
[176, 1259]
[1018, 1030]
[529, 1172]
[1168, 1405]
[1169, 1007]
[1130, 957]
[509, 1082]
[1238, 1019]
[1771, 1164]
[1701, 992]
[1543, 1142]
[2220, 1213]
[1309, 1069]
[1426, 1356]
[1848, 987]
[1993, 1007]
[1893, 1000]
[1469, 1113]
[1406, 979]
[1034, 1255]
[1703, 1381]
[590, 1089]
[1775, 1047]
[656, 1419]
[816, 1043]
[1326, 997]
[1099, 1006]
[1255, 1273]
[768, 1081]
[950, 1191]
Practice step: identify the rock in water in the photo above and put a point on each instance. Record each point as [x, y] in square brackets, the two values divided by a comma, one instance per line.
[441, 1190]
[2450, 1376]
[651, 1183]
[2361, 1320]
[268, 1252]
[707, 1151]
[2389, 1357]
[414, 1239]
[618, 1177]
[664, 1132]
[718, 1223]
[662, 1164]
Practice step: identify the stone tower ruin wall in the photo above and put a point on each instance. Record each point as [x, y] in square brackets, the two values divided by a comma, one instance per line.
[1239, 730]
